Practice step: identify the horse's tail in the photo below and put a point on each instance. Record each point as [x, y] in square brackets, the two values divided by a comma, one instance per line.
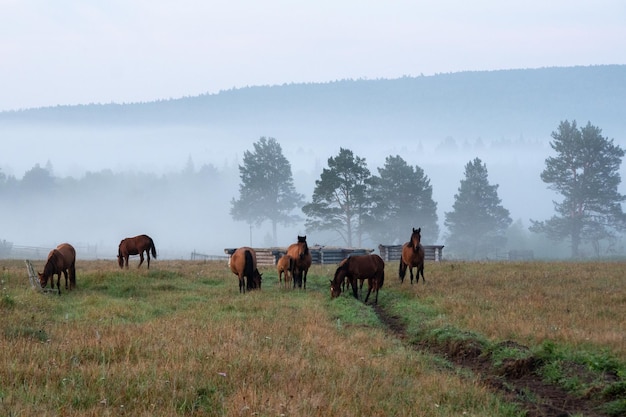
[72, 274]
[248, 268]
[402, 270]
[153, 248]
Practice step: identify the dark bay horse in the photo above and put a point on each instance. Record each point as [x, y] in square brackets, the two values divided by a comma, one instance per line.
[359, 267]
[135, 246]
[302, 260]
[243, 264]
[61, 260]
[412, 257]
[284, 267]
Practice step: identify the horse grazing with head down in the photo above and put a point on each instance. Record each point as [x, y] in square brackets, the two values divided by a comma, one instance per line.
[284, 267]
[61, 260]
[412, 257]
[359, 267]
[135, 246]
[243, 264]
[302, 261]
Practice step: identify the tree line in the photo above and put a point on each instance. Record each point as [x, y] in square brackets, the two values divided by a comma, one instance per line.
[351, 202]
[348, 201]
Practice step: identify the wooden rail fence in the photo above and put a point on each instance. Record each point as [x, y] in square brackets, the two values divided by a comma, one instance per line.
[394, 252]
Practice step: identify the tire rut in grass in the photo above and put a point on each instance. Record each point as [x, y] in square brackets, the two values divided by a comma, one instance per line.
[516, 379]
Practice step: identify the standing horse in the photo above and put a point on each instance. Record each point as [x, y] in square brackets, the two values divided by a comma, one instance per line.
[412, 257]
[135, 246]
[284, 267]
[302, 260]
[359, 267]
[243, 264]
[61, 260]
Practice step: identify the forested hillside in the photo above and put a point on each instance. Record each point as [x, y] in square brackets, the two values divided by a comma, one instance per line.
[462, 105]
[438, 123]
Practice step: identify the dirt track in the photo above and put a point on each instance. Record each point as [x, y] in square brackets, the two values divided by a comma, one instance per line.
[516, 380]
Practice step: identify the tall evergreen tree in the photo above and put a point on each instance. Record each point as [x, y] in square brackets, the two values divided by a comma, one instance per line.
[586, 173]
[478, 223]
[402, 198]
[340, 198]
[266, 191]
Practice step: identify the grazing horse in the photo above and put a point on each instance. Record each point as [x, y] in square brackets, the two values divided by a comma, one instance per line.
[284, 267]
[302, 260]
[412, 257]
[243, 264]
[61, 260]
[135, 246]
[359, 267]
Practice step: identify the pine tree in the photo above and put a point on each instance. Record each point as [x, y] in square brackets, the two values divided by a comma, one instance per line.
[478, 223]
[340, 198]
[402, 198]
[266, 191]
[586, 173]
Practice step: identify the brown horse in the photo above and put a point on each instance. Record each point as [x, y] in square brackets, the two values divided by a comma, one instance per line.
[302, 260]
[359, 267]
[243, 264]
[412, 257]
[61, 260]
[135, 246]
[284, 267]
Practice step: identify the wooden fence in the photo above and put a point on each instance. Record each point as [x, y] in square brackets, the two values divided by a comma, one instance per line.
[394, 252]
[321, 254]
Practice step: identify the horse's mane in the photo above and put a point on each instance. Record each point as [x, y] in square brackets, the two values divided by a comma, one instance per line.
[50, 266]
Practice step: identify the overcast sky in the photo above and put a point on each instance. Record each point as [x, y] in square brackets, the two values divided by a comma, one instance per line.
[81, 51]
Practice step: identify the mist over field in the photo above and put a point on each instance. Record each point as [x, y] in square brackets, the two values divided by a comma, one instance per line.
[170, 169]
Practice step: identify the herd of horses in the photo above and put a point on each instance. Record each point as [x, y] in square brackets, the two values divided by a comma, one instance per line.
[62, 260]
[292, 266]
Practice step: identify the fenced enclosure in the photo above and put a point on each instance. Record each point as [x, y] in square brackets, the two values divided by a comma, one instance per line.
[322, 255]
[394, 252]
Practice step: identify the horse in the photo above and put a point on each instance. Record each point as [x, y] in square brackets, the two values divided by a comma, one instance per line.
[302, 260]
[359, 267]
[284, 267]
[412, 257]
[61, 260]
[135, 246]
[243, 264]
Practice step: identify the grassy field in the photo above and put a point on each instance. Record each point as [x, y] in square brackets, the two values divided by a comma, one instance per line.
[180, 340]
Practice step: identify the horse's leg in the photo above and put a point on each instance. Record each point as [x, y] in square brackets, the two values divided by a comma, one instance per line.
[126, 260]
[140, 259]
[411, 273]
[421, 270]
[369, 288]
[66, 280]
[304, 277]
[148, 256]
[58, 282]
[355, 290]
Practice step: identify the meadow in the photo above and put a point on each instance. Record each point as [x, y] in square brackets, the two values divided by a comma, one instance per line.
[179, 339]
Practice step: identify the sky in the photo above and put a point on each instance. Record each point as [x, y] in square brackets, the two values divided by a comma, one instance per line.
[67, 52]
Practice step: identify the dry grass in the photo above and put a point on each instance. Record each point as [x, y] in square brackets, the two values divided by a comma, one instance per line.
[180, 339]
[581, 305]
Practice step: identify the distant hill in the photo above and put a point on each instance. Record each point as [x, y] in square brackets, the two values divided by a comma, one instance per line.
[464, 105]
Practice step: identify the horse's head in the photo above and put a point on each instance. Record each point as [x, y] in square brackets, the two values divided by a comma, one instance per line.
[120, 261]
[43, 279]
[303, 248]
[416, 238]
[256, 279]
[335, 283]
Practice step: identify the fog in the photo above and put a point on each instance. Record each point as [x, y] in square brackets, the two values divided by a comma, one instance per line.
[144, 184]
[170, 168]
